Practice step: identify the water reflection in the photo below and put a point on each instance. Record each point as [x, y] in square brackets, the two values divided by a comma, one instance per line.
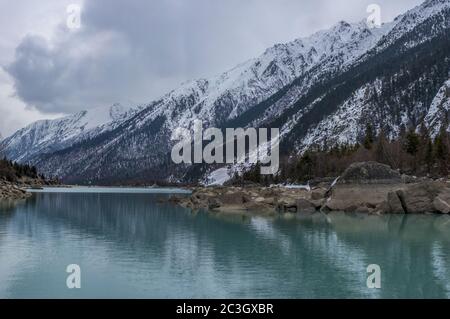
[128, 245]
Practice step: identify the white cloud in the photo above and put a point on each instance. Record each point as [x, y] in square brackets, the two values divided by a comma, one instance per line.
[14, 113]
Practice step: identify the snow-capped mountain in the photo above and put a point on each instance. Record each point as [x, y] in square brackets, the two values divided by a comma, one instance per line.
[318, 90]
[47, 136]
[393, 84]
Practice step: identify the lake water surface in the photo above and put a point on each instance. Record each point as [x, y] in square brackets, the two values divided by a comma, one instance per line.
[129, 245]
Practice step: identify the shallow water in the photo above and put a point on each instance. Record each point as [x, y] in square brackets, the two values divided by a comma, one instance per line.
[130, 246]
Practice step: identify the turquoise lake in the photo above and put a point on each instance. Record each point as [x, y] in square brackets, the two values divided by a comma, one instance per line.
[129, 245]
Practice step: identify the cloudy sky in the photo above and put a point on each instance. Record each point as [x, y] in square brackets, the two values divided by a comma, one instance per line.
[136, 50]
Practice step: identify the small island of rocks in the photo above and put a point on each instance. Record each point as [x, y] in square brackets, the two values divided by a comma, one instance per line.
[367, 187]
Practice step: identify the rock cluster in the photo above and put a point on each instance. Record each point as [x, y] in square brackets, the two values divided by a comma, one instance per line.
[258, 199]
[415, 198]
[11, 191]
[370, 173]
[424, 197]
[364, 187]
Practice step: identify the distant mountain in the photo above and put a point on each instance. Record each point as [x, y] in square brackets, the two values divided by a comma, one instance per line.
[320, 90]
[47, 136]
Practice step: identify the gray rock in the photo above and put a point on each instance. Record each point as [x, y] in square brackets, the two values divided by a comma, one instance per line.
[318, 194]
[362, 210]
[214, 203]
[304, 206]
[287, 205]
[350, 197]
[419, 198]
[370, 173]
[382, 208]
[318, 203]
[394, 204]
[324, 182]
[441, 206]
[409, 179]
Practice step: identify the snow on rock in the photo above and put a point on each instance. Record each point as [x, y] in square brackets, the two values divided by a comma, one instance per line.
[218, 177]
[439, 110]
[342, 127]
[407, 21]
[297, 186]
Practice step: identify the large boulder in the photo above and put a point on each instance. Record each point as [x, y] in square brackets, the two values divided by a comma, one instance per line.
[305, 206]
[442, 202]
[420, 198]
[287, 204]
[394, 204]
[358, 197]
[318, 193]
[440, 205]
[370, 173]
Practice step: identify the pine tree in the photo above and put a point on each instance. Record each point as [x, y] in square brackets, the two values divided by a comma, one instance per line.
[425, 148]
[429, 156]
[441, 147]
[381, 149]
[369, 137]
[412, 143]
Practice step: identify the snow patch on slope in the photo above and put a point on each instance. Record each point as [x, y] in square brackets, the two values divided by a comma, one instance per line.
[218, 177]
[342, 127]
[439, 110]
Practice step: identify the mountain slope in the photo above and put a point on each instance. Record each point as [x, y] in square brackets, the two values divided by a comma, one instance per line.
[392, 88]
[257, 79]
[47, 136]
[319, 90]
[215, 100]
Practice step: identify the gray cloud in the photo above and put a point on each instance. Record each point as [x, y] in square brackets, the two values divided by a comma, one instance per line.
[137, 50]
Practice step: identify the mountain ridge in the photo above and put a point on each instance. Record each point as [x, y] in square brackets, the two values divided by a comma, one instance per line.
[286, 87]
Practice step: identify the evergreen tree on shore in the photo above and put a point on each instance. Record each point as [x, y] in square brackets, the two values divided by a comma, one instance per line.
[441, 147]
[11, 171]
[369, 137]
[412, 153]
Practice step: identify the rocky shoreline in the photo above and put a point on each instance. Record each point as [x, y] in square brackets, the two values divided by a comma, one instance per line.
[368, 187]
[10, 191]
[17, 190]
